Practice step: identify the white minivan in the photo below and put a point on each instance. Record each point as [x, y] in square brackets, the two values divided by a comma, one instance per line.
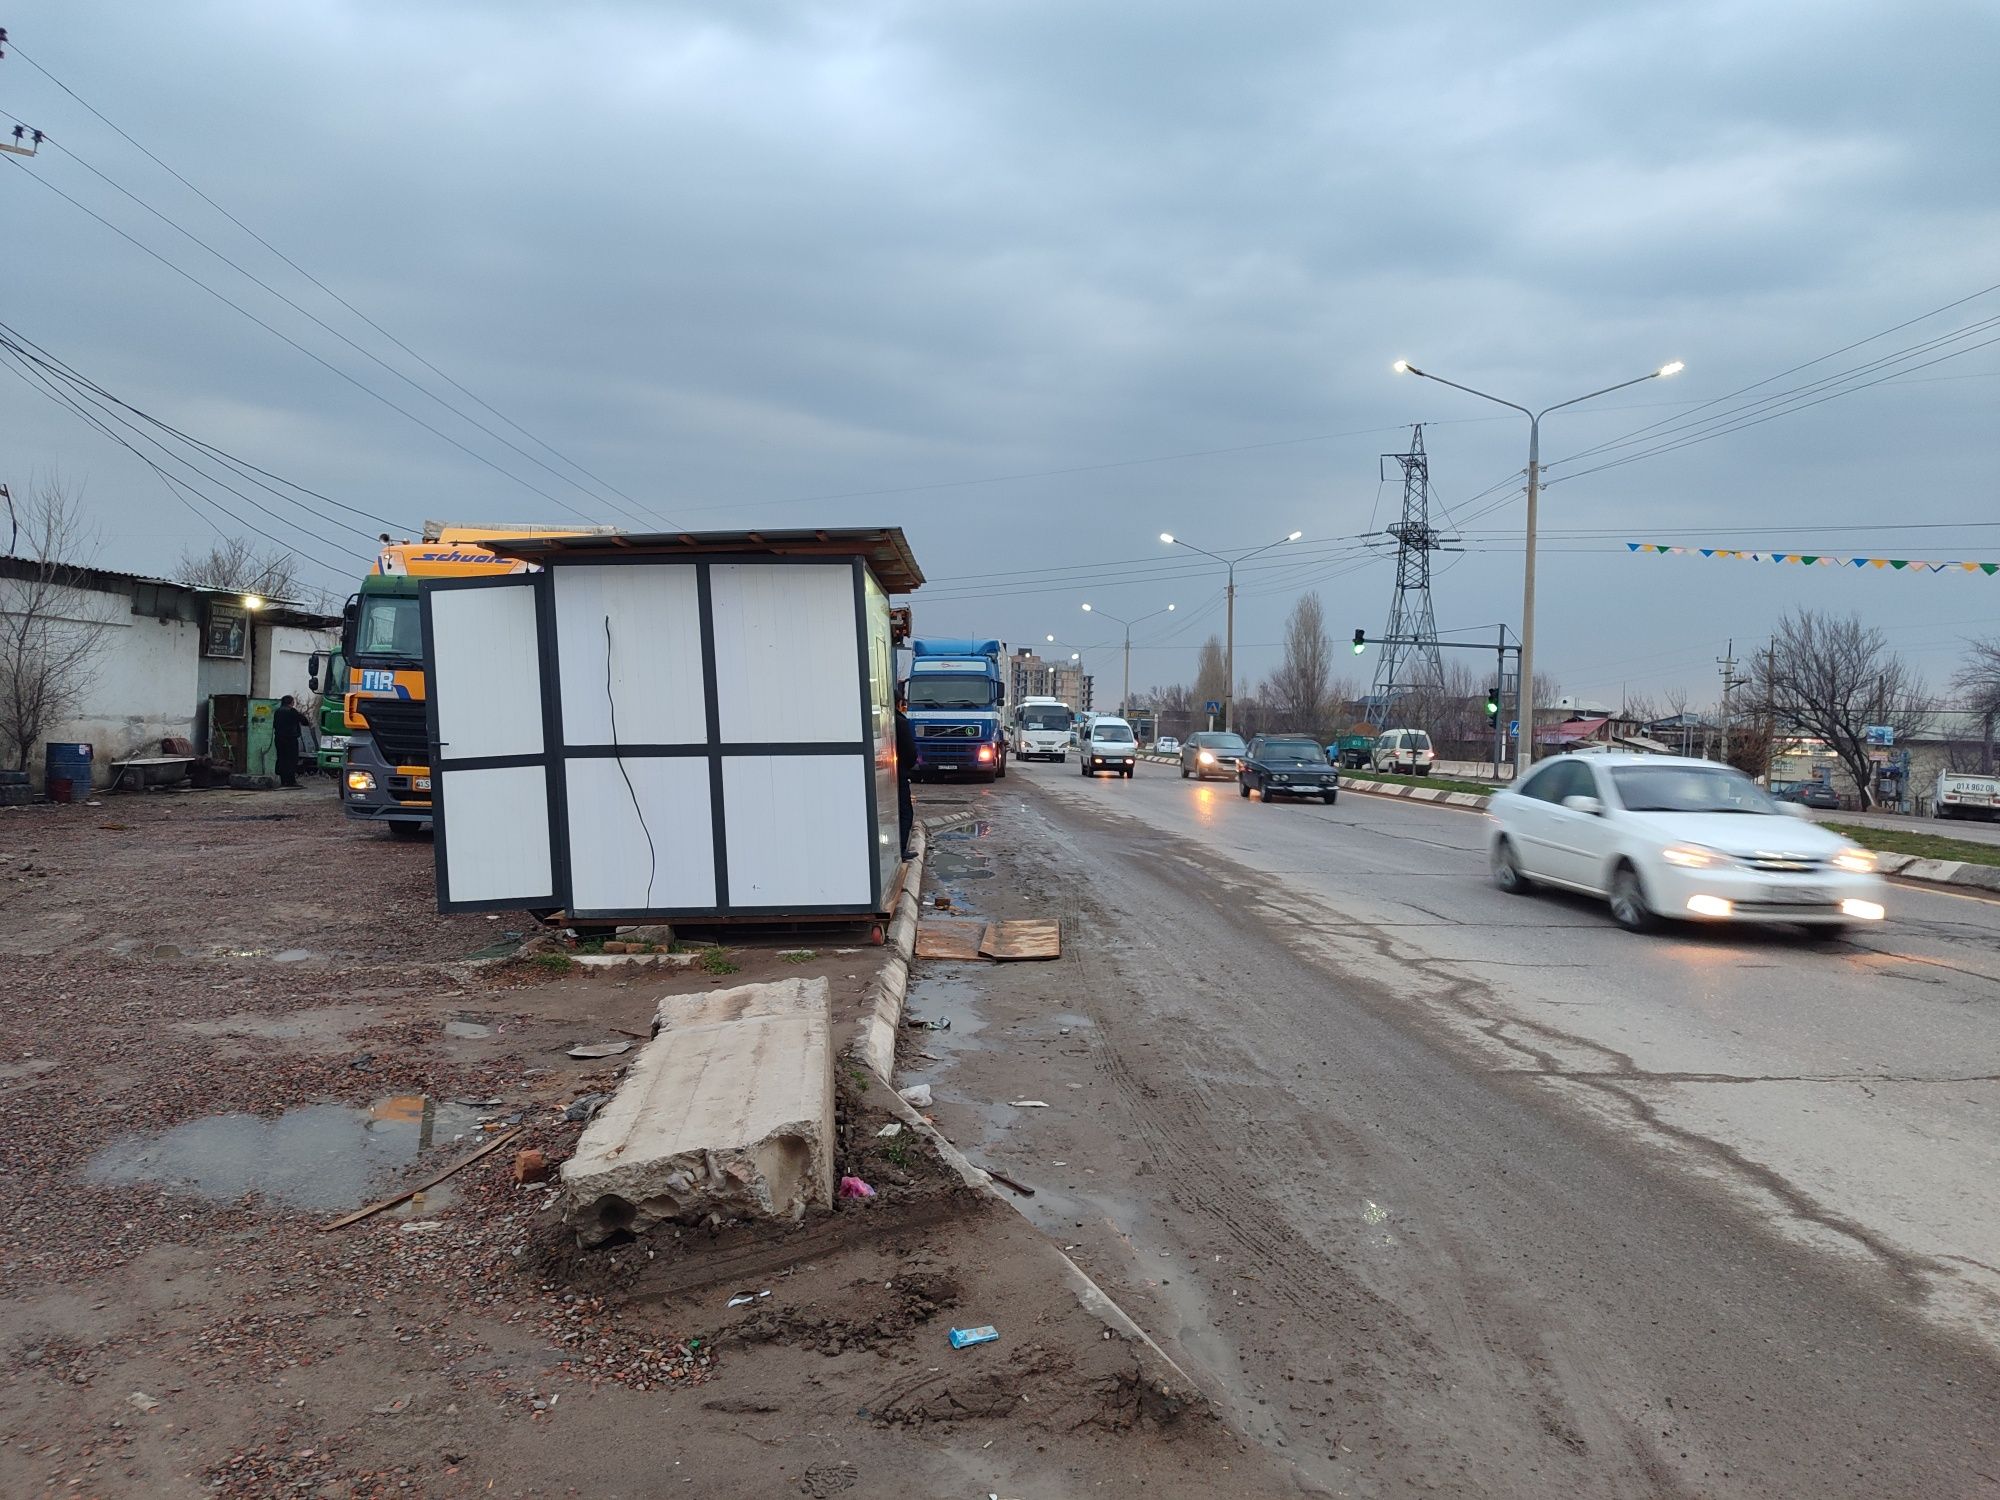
[1109, 746]
[1406, 750]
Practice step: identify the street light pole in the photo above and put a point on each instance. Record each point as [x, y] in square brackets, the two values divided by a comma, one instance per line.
[1125, 699]
[1524, 697]
[1229, 658]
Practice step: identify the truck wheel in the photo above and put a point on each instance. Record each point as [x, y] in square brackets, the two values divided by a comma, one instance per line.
[1002, 771]
[406, 831]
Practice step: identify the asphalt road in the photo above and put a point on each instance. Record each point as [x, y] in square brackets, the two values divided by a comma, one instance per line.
[1483, 1194]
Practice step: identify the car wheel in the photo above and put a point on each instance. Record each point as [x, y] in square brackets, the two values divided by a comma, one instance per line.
[1184, 773]
[1628, 901]
[1328, 798]
[1243, 787]
[1824, 932]
[1128, 773]
[1507, 872]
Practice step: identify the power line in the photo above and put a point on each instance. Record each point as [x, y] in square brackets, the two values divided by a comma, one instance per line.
[330, 292]
[287, 338]
[75, 377]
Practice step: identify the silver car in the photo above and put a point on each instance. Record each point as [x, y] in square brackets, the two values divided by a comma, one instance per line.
[1212, 752]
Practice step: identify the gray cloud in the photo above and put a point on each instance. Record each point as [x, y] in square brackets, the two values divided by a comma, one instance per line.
[731, 257]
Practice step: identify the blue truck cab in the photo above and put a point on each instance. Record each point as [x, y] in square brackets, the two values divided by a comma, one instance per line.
[957, 708]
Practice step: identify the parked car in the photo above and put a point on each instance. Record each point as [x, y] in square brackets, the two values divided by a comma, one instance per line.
[1212, 752]
[1167, 745]
[1810, 794]
[1287, 765]
[1405, 750]
[1110, 747]
[1668, 837]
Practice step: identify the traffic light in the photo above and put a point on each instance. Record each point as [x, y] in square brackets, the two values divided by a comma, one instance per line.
[1360, 641]
[1493, 705]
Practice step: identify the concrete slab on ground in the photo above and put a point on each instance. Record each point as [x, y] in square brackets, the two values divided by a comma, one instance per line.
[726, 1113]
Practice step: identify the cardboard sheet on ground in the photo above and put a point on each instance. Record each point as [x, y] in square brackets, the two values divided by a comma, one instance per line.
[1027, 937]
[950, 937]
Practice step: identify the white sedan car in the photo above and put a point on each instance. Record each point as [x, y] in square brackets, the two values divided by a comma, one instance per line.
[1663, 837]
[1167, 746]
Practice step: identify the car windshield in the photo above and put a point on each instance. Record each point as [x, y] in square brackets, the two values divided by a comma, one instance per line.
[943, 691]
[1688, 789]
[1222, 744]
[1120, 733]
[1294, 752]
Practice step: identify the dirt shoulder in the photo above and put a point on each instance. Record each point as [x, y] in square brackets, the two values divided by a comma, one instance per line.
[233, 1017]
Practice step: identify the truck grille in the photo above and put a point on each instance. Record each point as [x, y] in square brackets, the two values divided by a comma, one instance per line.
[948, 731]
[399, 729]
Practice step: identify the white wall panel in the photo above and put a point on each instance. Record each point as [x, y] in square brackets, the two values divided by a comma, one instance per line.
[798, 829]
[496, 844]
[655, 654]
[489, 670]
[787, 668]
[610, 864]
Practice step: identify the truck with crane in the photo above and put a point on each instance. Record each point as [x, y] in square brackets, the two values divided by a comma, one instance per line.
[385, 769]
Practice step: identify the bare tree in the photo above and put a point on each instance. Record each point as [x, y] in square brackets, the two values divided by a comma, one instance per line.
[237, 564]
[1211, 676]
[1830, 677]
[50, 631]
[1979, 682]
[1298, 689]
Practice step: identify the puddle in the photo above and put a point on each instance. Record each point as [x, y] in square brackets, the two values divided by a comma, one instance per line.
[466, 1031]
[967, 831]
[293, 956]
[323, 1156]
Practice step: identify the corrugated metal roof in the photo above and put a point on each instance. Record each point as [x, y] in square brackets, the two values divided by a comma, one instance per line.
[884, 548]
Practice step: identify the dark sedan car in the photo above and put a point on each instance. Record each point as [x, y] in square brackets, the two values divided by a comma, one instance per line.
[1811, 794]
[1287, 765]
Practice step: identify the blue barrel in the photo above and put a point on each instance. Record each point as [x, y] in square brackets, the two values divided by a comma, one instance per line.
[67, 772]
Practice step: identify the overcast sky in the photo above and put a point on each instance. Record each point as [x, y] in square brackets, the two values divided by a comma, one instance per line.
[882, 263]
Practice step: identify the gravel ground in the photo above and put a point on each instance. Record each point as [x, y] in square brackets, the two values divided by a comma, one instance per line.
[245, 997]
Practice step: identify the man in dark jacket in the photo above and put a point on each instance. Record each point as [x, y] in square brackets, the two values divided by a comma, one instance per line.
[906, 763]
[286, 724]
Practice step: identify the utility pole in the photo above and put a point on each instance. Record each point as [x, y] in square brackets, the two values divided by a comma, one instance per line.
[1770, 712]
[1728, 665]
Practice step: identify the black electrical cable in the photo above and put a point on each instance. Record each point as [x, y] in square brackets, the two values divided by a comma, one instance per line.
[651, 853]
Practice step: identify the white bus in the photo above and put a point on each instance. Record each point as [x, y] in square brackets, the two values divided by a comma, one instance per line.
[1041, 729]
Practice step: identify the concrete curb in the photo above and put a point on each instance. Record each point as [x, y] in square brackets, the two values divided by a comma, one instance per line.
[877, 1047]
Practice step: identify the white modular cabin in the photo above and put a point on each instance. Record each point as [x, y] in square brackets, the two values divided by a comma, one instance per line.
[674, 726]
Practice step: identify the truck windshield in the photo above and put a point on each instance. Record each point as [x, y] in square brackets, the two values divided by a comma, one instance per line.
[942, 691]
[389, 625]
[1045, 716]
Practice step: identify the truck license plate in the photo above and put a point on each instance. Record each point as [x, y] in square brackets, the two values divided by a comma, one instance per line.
[421, 783]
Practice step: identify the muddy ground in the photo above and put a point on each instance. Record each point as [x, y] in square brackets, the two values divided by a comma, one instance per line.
[232, 1017]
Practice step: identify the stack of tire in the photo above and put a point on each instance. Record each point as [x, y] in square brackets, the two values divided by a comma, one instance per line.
[14, 789]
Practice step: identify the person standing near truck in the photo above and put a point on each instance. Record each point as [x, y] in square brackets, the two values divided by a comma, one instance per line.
[906, 761]
[286, 724]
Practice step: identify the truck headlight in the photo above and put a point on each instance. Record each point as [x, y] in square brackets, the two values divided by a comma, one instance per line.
[361, 781]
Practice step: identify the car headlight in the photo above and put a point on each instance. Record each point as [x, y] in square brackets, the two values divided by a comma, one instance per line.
[1205, 758]
[1855, 861]
[1692, 857]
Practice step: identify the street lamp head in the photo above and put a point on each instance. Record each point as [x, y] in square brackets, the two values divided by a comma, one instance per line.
[1052, 640]
[1295, 536]
[1086, 609]
[1401, 367]
[1170, 609]
[1076, 656]
[253, 601]
[1674, 367]
[1167, 537]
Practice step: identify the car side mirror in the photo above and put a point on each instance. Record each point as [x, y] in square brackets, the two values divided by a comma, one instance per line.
[1588, 805]
[1792, 809]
